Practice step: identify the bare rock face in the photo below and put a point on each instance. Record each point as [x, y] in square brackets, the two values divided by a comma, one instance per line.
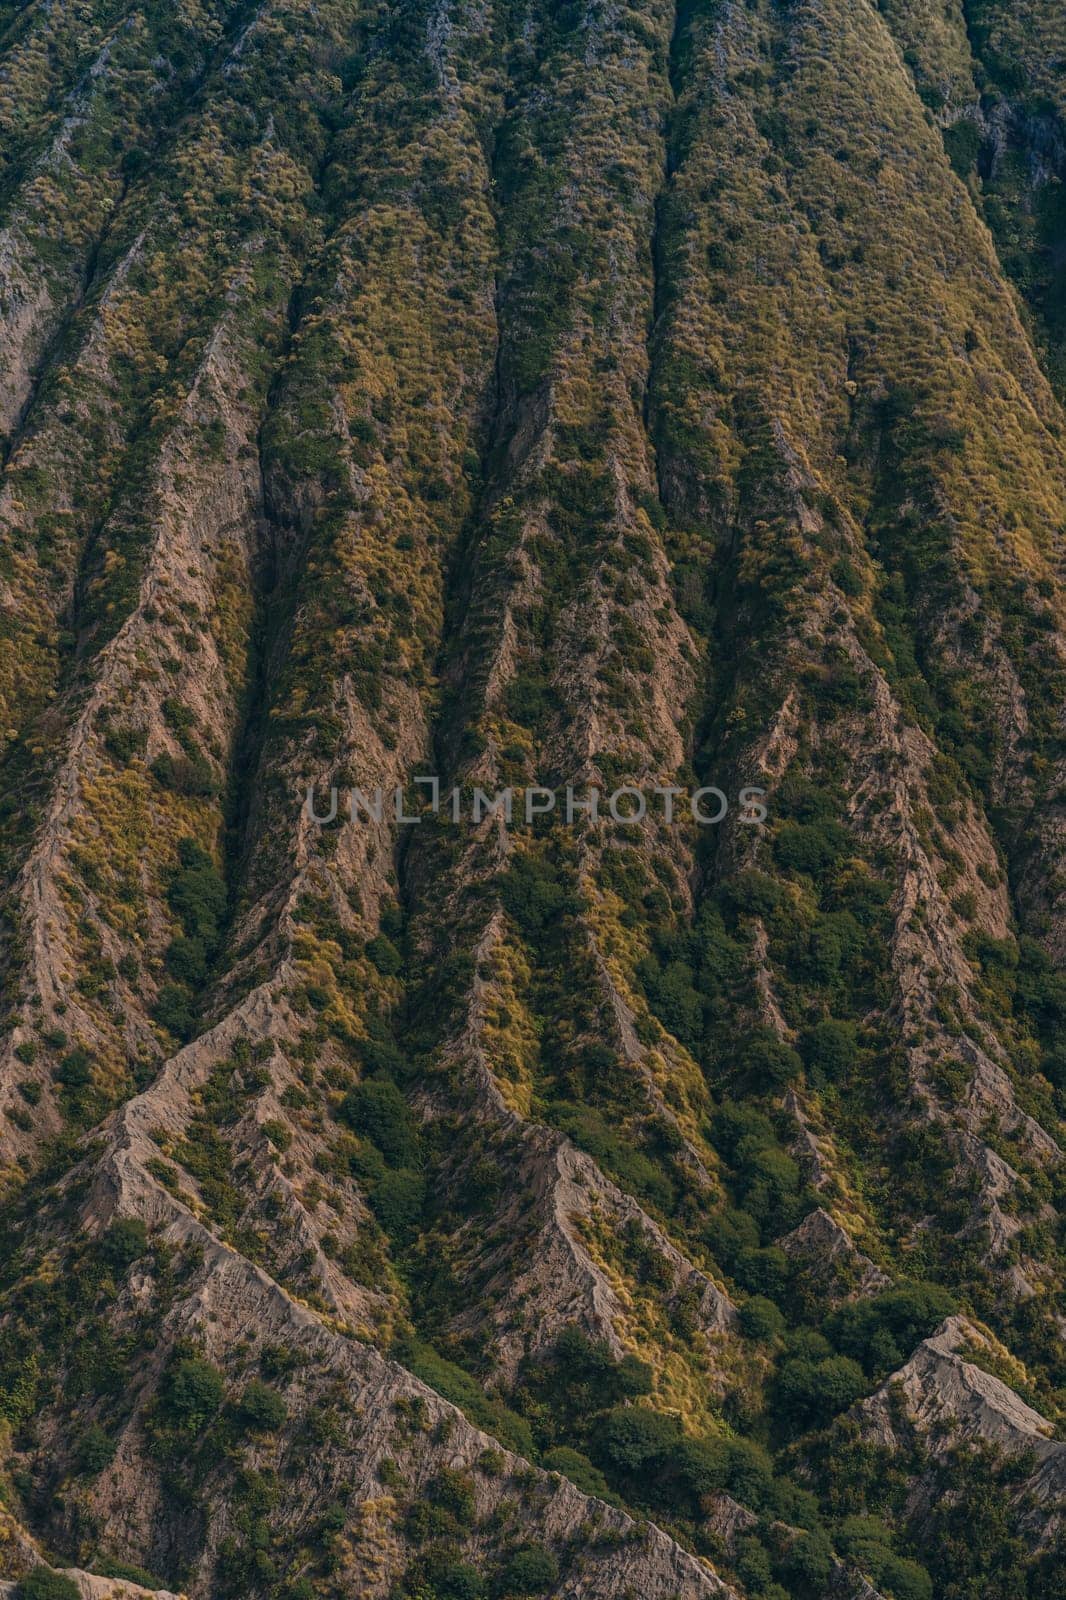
[945, 1394]
[387, 1416]
[560, 1196]
[847, 1584]
[92, 1587]
[727, 1519]
[828, 1256]
[389, 1429]
[19, 1554]
[950, 1401]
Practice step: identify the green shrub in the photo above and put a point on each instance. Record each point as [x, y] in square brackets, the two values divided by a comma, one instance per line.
[810, 848]
[197, 893]
[635, 1439]
[95, 1451]
[529, 698]
[377, 1110]
[807, 1562]
[702, 1465]
[174, 1010]
[653, 1463]
[123, 743]
[864, 1540]
[279, 1133]
[770, 1061]
[749, 1475]
[962, 142]
[187, 775]
[75, 1069]
[108, 1567]
[124, 1242]
[186, 960]
[903, 1579]
[447, 1512]
[455, 1580]
[535, 895]
[531, 1570]
[752, 1563]
[580, 1377]
[829, 1049]
[384, 955]
[397, 1200]
[260, 1408]
[812, 1392]
[192, 1393]
[761, 1319]
[882, 1331]
[578, 1468]
[753, 893]
[381, 1056]
[762, 1272]
[41, 1583]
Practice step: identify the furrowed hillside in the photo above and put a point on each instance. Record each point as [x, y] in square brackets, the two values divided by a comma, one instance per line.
[533, 396]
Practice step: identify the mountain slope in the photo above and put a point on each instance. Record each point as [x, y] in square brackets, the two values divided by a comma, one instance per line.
[554, 398]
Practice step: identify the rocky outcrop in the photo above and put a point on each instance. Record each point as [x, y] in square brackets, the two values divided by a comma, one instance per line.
[92, 1587]
[950, 1401]
[20, 1554]
[828, 1256]
[227, 1302]
[560, 1196]
[847, 1584]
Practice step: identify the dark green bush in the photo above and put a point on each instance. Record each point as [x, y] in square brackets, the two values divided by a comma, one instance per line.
[761, 1319]
[188, 775]
[75, 1069]
[807, 1562]
[810, 847]
[635, 1439]
[455, 1580]
[260, 1408]
[384, 955]
[770, 1061]
[962, 142]
[125, 1240]
[535, 895]
[812, 1392]
[397, 1200]
[882, 1331]
[191, 1393]
[829, 1049]
[531, 1570]
[377, 1110]
[753, 893]
[383, 1057]
[197, 893]
[902, 1579]
[95, 1451]
[41, 1583]
[186, 960]
[174, 1010]
[580, 1377]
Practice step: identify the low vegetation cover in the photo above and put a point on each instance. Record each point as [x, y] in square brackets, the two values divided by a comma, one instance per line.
[534, 396]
